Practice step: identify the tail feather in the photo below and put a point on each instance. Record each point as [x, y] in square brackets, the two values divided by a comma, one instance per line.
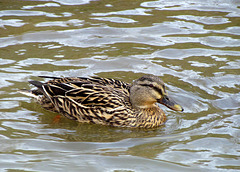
[28, 93]
[38, 84]
[51, 77]
[36, 93]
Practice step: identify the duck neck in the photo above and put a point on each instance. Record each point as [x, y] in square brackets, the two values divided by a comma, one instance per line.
[150, 117]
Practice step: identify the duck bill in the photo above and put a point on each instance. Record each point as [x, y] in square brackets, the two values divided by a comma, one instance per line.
[170, 103]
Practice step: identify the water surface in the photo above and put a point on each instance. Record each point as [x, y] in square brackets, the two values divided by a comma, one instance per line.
[192, 45]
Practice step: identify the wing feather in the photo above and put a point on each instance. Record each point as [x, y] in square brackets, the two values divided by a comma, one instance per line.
[89, 100]
[94, 80]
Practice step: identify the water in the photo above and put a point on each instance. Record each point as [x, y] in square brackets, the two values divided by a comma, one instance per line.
[192, 45]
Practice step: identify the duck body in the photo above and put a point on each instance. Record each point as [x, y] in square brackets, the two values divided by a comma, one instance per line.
[105, 101]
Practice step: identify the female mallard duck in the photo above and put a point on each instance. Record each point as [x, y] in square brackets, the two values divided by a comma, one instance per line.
[105, 101]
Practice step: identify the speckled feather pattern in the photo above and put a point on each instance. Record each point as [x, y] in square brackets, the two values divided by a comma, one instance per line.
[96, 100]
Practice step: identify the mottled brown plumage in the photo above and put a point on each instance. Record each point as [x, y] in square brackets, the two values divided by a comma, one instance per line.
[105, 101]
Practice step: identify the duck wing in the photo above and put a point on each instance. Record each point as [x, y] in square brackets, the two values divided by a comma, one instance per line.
[93, 80]
[87, 102]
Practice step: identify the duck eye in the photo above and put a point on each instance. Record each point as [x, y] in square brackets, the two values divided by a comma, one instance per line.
[150, 85]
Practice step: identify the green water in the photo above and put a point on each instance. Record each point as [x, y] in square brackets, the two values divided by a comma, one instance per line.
[193, 46]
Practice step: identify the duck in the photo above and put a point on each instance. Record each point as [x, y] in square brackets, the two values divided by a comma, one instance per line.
[105, 101]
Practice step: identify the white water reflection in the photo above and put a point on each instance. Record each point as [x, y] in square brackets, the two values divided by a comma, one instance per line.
[230, 7]
[74, 22]
[26, 13]
[203, 19]
[137, 11]
[27, 7]
[11, 22]
[115, 19]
